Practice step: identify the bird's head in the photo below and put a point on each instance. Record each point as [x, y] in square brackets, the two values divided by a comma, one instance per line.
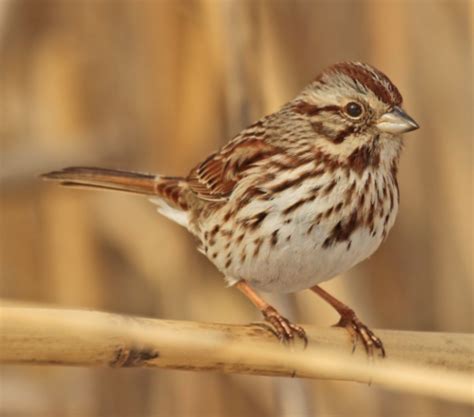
[352, 104]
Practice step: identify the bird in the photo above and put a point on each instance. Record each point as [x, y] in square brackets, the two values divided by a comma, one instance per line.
[293, 200]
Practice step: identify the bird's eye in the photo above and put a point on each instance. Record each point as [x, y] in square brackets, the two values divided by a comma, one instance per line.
[354, 110]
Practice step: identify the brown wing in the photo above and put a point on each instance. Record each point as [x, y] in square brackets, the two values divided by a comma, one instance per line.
[215, 178]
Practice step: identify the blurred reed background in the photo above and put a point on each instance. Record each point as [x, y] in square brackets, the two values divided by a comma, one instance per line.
[156, 86]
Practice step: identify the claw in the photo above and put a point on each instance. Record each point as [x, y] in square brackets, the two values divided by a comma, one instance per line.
[282, 327]
[359, 330]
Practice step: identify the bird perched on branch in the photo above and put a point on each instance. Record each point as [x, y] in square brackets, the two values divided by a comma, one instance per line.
[298, 197]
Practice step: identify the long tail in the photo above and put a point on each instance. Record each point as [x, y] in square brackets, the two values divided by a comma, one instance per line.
[168, 192]
[107, 179]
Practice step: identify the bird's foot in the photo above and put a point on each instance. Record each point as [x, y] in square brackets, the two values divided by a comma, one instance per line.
[357, 330]
[284, 329]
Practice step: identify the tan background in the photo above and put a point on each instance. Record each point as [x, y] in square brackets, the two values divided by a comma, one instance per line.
[157, 85]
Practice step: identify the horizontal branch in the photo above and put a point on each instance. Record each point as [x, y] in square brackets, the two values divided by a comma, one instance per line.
[435, 364]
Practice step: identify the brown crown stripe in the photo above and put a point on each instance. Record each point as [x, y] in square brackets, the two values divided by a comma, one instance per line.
[372, 79]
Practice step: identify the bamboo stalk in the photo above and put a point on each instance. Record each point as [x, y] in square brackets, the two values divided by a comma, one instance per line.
[436, 364]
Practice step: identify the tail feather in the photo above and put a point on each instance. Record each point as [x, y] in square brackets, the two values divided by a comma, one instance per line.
[168, 192]
[107, 179]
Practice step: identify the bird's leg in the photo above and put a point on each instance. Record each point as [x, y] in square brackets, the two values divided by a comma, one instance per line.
[281, 326]
[351, 322]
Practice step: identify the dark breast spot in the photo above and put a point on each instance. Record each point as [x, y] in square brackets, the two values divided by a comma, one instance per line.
[363, 157]
[349, 192]
[254, 222]
[338, 207]
[343, 230]
[330, 187]
[298, 204]
[240, 238]
[258, 243]
[227, 233]
[274, 238]
[227, 216]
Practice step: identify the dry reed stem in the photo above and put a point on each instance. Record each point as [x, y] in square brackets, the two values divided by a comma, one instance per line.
[434, 364]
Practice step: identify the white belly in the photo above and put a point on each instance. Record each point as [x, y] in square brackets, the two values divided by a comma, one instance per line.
[295, 252]
[303, 262]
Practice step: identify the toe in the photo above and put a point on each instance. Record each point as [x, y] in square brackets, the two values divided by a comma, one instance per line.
[358, 330]
[284, 329]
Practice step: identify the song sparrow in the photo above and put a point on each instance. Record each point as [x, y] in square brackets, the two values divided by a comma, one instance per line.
[298, 197]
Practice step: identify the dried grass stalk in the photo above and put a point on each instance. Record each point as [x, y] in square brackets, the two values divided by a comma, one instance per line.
[436, 364]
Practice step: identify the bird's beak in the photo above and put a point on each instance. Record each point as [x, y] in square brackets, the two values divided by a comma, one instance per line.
[396, 121]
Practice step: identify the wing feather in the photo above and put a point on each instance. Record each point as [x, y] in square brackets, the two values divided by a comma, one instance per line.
[216, 177]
